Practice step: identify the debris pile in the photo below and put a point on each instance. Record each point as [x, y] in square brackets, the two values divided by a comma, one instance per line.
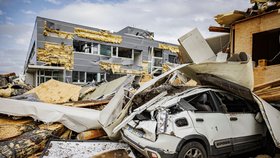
[58, 119]
[59, 111]
[11, 85]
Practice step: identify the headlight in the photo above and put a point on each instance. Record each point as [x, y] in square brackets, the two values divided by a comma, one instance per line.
[161, 121]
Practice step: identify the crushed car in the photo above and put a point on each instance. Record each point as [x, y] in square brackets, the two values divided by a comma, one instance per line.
[198, 122]
[219, 117]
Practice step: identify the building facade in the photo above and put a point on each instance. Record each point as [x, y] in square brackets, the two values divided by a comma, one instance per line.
[80, 54]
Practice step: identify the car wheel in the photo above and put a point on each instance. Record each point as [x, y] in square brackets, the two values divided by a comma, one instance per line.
[192, 150]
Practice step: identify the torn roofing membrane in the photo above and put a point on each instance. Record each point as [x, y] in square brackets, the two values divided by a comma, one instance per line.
[76, 119]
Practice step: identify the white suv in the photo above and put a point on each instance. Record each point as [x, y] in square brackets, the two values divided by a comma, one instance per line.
[199, 122]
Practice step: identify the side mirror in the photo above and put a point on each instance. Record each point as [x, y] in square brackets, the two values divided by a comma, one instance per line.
[259, 117]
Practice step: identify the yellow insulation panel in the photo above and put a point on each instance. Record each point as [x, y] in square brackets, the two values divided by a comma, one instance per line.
[103, 36]
[145, 65]
[56, 33]
[173, 49]
[116, 69]
[56, 54]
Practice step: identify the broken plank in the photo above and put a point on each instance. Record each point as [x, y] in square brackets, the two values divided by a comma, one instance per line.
[269, 91]
[219, 29]
[87, 103]
[273, 83]
[271, 97]
[91, 134]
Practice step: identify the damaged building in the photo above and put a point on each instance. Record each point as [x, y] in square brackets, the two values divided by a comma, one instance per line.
[78, 54]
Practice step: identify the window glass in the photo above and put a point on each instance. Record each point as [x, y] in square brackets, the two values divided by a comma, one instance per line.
[75, 76]
[82, 76]
[45, 75]
[91, 76]
[105, 50]
[157, 52]
[94, 48]
[114, 51]
[202, 102]
[48, 73]
[125, 53]
[172, 58]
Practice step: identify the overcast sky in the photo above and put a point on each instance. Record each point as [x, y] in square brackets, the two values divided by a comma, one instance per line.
[168, 19]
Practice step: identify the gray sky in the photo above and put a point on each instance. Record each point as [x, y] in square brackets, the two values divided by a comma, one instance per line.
[167, 19]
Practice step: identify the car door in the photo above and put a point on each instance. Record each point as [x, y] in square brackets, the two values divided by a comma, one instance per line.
[246, 131]
[212, 124]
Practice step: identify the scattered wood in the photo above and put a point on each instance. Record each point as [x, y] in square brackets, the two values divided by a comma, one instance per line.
[10, 128]
[91, 134]
[26, 144]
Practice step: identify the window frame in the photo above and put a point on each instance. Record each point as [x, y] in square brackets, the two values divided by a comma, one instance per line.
[250, 107]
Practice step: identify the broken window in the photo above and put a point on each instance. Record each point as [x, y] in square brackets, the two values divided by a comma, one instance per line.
[202, 102]
[85, 47]
[45, 75]
[172, 58]
[105, 50]
[266, 45]
[125, 52]
[157, 52]
[233, 103]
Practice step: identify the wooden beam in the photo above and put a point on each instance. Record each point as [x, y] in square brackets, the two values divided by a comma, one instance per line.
[219, 29]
